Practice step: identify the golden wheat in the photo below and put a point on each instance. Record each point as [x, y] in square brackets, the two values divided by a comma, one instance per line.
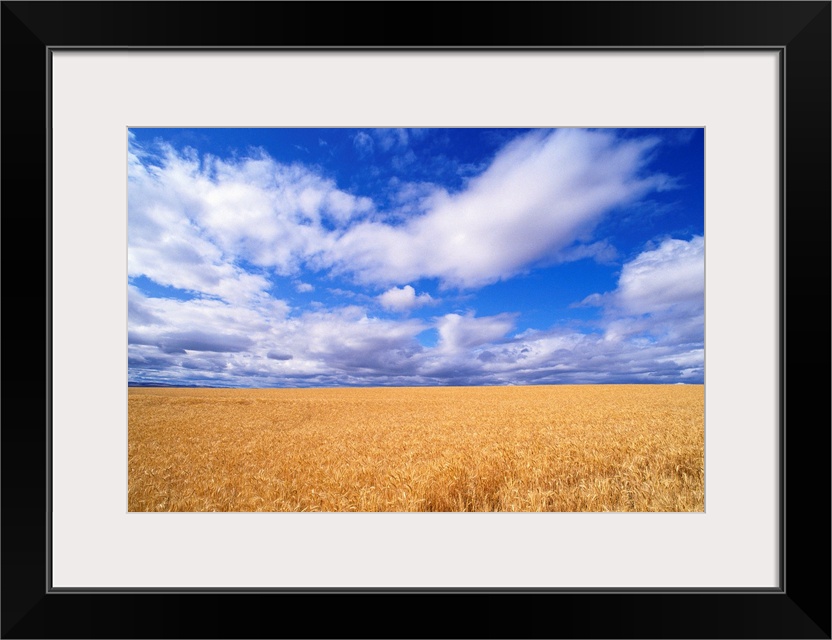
[536, 448]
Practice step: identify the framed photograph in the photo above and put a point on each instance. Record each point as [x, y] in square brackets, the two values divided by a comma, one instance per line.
[687, 149]
[407, 320]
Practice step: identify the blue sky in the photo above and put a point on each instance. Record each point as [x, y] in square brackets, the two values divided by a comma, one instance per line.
[301, 257]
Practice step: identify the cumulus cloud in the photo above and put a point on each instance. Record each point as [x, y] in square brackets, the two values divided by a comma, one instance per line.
[350, 330]
[190, 219]
[221, 230]
[659, 305]
[537, 202]
[458, 332]
[670, 276]
[237, 345]
[542, 193]
[660, 293]
[403, 299]
[138, 313]
[651, 330]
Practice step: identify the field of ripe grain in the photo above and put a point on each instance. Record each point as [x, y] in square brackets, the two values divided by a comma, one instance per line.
[540, 448]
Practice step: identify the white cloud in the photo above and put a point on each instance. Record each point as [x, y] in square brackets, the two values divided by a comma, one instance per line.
[659, 304]
[537, 202]
[672, 275]
[363, 143]
[219, 343]
[214, 342]
[403, 299]
[660, 293]
[652, 329]
[349, 338]
[457, 332]
[194, 221]
[541, 194]
[166, 245]
[190, 220]
[663, 283]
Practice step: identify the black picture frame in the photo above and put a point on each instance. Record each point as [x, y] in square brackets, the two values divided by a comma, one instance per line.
[799, 608]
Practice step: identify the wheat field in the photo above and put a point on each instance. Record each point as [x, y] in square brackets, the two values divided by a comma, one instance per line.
[582, 448]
